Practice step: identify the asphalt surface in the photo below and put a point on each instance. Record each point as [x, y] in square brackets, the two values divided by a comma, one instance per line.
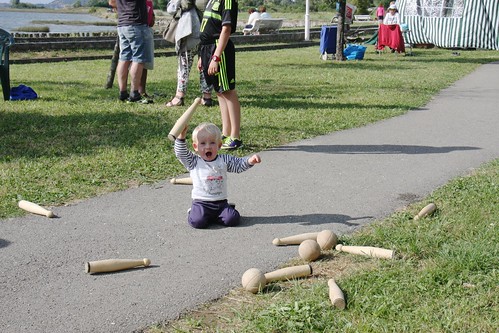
[339, 181]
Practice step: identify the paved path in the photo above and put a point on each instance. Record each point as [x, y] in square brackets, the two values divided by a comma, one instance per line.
[339, 182]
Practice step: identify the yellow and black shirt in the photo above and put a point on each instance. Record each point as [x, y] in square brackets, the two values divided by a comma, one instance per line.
[217, 14]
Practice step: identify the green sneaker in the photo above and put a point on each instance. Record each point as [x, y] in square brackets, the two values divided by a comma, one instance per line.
[231, 144]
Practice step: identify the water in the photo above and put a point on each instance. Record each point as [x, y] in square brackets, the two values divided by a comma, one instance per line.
[14, 20]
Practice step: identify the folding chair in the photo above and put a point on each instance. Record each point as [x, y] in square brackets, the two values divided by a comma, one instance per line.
[405, 32]
[6, 40]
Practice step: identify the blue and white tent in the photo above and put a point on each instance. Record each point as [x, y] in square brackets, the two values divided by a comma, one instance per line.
[452, 23]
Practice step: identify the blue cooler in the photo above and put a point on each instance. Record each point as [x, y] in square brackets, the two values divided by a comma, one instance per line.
[328, 39]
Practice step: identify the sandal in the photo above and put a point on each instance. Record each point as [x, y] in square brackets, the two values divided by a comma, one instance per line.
[207, 102]
[179, 103]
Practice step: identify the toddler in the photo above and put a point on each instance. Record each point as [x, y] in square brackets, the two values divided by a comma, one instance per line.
[208, 171]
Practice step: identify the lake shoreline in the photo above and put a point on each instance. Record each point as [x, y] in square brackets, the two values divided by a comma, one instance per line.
[56, 21]
[83, 10]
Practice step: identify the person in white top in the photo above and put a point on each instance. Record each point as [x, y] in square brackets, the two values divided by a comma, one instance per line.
[254, 15]
[263, 12]
[392, 17]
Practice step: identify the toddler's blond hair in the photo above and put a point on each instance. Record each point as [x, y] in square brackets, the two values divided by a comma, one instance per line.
[208, 128]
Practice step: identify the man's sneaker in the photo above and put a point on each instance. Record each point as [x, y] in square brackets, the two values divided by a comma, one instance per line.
[134, 97]
[123, 96]
[231, 144]
[140, 100]
[148, 98]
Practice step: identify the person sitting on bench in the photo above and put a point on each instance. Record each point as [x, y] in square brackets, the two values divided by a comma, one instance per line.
[263, 12]
[254, 15]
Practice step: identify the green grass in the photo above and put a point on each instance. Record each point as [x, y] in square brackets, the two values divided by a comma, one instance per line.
[444, 277]
[33, 29]
[77, 140]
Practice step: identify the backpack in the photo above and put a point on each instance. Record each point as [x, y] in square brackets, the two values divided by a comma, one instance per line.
[22, 92]
[201, 4]
[150, 13]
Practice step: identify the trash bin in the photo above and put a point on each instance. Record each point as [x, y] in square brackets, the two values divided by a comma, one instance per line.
[6, 40]
[328, 40]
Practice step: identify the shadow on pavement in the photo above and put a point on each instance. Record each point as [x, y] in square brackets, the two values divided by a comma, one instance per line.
[373, 149]
[307, 219]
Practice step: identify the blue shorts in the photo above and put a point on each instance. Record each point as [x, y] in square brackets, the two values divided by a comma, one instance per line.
[135, 41]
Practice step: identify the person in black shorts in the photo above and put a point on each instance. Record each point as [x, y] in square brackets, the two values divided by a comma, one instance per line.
[218, 62]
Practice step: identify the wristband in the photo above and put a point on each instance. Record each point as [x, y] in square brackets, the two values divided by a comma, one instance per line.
[216, 58]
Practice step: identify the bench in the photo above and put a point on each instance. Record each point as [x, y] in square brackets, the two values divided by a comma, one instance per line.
[6, 40]
[264, 26]
[362, 17]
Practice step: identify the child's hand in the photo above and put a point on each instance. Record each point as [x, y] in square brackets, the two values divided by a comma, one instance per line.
[254, 159]
[183, 135]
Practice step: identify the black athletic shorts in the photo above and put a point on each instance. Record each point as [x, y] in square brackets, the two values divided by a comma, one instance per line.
[225, 79]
